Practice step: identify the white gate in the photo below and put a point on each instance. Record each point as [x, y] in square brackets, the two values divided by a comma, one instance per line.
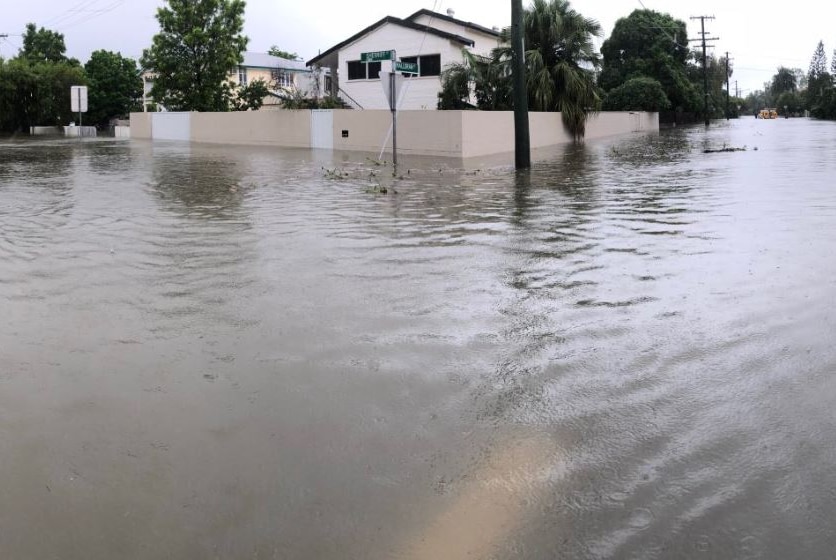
[322, 129]
[171, 126]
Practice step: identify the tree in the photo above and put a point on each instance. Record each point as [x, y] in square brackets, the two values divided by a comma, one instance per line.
[115, 86]
[43, 45]
[560, 67]
[199, 42]
[637, 94]
[561, 61]
[653, 45]
[36, 93]
[250, 97]
[276, 51]
[489, 79]
[784, 80]
[35, 86]
[818, 79]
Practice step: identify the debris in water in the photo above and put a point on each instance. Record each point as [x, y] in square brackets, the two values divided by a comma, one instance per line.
[724, 149]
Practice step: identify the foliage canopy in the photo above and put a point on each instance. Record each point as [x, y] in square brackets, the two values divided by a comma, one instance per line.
[199, 43]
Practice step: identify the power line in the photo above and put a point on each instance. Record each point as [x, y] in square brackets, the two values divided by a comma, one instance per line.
[671, 37]
[69, 13]
[94, 14]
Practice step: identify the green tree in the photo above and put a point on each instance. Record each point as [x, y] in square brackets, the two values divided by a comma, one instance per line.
[489, 79]
[818, 78]
[276, 51]
[199, 43]
[561, 61]
[250, 97]
[790, 103]
[36, 93]
[43, 45]
[654, 45]
[637, 94]
[784, 80]
[114, 86]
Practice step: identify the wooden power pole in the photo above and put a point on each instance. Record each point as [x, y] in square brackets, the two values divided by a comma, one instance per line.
[704, 40]
[522, 141]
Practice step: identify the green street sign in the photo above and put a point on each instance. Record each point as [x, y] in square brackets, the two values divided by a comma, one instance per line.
[375, 56]
[408, 67]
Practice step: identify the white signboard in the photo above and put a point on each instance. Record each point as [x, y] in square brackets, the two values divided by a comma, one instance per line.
[78, 99]
[385, 81]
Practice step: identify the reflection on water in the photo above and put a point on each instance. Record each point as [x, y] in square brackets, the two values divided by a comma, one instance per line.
[216, 352]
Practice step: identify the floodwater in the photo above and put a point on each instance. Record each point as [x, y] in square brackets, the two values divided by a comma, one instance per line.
[225, 352]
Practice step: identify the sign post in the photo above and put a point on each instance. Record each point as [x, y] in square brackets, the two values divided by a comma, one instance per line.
[392, 83]
[78, 101]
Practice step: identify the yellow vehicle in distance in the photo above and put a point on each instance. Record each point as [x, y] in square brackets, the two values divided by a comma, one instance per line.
[768, 114]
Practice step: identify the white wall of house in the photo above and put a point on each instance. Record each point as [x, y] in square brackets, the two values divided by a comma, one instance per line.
[420, 93]
[483, 42]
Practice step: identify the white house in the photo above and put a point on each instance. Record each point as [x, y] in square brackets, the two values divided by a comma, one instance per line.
[431, 39]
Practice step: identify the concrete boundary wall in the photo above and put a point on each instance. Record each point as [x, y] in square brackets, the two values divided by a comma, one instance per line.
[458, 134]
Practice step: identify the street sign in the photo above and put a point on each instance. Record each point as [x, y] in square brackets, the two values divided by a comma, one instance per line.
[408, 67]
[375, 56]
[390, 88]
[78, 99]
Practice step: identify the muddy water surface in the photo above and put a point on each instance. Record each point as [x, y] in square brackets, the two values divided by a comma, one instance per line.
[214, 352]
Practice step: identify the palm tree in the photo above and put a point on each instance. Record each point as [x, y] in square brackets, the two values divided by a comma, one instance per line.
[486, 78]
[560, 58]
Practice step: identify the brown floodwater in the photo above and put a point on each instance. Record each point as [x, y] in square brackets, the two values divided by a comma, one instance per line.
[234, 352]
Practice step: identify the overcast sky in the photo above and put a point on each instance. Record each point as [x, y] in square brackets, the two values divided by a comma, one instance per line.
[758, 36]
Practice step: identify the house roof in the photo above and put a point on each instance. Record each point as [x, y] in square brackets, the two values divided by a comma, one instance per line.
[264, 60]
[395, 21]
[444, 17]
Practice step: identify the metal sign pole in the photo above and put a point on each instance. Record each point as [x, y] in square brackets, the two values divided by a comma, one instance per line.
[394, 106]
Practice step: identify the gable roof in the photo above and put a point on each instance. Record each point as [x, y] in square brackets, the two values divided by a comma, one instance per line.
[395, 21]
[444, 17]
[264, 60]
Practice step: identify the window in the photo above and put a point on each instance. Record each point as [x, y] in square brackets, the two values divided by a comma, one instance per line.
[281, 78]
[363, 70]
[428, 65]
[242, 75]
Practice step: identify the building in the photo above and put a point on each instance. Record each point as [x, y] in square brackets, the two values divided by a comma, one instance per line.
[281, 75]
[430, 39]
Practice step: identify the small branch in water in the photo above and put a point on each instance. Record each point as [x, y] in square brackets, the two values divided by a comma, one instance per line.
[724, 149]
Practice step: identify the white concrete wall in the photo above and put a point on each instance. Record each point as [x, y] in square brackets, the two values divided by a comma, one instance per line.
[422, 93]
[80, 131]
[457, 134]
[122, 131]
[141, 125]
[436, 133]
[46, 130]
[271, 128]
[171, 126]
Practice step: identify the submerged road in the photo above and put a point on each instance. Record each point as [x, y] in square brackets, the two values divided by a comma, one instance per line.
[231, 352]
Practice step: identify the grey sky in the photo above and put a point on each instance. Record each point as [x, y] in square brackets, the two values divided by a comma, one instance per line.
[758, 37]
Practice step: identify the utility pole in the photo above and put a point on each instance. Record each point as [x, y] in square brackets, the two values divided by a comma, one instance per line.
[704, 39]
[522, 140]
[728, 89]
[736, 90]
